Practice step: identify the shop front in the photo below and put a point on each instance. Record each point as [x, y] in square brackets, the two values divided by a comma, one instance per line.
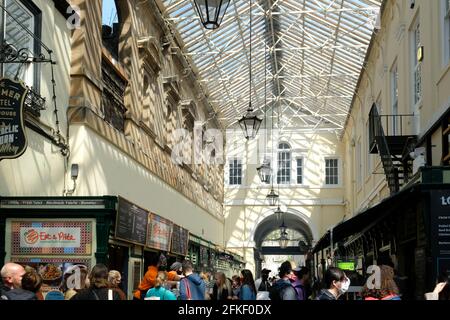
[409, 231]
[55, 234]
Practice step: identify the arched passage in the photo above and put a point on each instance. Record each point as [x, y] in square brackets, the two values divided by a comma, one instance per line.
[273, 222]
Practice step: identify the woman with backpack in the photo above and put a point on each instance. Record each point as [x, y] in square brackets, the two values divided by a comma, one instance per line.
[159, 292]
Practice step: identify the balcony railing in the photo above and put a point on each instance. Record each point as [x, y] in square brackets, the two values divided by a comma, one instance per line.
[397, 125]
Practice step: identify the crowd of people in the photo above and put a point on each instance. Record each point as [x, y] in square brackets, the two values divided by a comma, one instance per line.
[181, 282]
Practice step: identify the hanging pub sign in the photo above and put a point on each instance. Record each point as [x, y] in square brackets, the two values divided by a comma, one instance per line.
[13, 141]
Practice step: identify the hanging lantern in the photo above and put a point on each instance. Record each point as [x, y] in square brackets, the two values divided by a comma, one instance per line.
[211, 12]
[265, 172]
[250, 124]
[284, 240]
[279, 213]
[273, 198]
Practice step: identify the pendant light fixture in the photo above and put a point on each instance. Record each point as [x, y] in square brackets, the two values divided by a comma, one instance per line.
[211, 12]
[265, 171]
[284, 240]
[250, 122]
[273, 197]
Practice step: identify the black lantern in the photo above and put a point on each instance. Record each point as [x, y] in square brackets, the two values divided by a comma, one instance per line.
[284, 240]
[273, 198]
[265, 172]
[250, 124]
[211, 12]
[279, 213]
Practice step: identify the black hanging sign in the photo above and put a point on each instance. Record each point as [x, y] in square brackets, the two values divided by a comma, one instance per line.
[13, 141]
[440, 230]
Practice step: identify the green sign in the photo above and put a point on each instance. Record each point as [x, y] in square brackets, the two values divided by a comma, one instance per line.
[350, 266]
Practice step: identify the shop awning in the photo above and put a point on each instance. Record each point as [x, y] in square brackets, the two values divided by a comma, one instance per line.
[370, 217]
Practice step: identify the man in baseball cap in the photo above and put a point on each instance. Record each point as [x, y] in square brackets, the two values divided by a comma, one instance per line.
[262, 284]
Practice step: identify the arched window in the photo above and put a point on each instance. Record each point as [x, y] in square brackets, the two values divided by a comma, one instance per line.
[284, 164]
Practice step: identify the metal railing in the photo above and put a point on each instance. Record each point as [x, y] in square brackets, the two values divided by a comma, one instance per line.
[396, 125]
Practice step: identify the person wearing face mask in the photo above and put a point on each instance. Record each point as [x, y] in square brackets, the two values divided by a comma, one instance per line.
[336, 284]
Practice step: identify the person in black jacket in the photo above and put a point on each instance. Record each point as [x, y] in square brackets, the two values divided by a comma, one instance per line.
[12, 274]
[99, 286]
[334, 280]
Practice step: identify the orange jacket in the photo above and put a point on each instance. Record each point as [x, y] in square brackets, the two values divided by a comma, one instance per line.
[147, 282]
[171, 275]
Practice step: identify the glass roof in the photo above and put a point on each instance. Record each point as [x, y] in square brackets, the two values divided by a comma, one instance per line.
[313, 51]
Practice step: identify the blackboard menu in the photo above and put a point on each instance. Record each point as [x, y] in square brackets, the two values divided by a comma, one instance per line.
[131, 222]
[180, 240]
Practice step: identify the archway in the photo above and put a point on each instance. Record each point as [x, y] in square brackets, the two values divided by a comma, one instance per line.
[272, 223]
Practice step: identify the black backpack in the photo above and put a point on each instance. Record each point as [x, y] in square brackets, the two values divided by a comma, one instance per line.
[276, 291]
[264, 286]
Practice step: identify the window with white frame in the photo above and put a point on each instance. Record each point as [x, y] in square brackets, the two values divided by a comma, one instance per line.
[394, 101]
[332, 171]
[299, 170]
[284, 164]
[417, 65]
[23, 18]
[235, 172]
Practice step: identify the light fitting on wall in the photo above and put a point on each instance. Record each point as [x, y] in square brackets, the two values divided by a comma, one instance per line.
[211, 12]
[74, 171]
[250, 122]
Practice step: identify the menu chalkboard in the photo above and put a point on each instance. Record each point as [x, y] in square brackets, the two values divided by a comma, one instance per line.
[131, 222]
[180, 240]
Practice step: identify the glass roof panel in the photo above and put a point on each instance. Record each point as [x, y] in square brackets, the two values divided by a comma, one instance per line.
[316, 49]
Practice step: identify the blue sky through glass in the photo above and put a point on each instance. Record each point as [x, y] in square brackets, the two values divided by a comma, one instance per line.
[109, 14]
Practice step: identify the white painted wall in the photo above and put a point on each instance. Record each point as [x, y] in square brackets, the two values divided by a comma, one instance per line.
[40, 170]
[318, 205]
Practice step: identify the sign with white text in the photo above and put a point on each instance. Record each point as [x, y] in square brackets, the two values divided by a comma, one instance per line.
[13, 141]
[50, 237]
[43, 237]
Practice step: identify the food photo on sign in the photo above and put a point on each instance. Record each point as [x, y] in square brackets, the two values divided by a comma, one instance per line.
[58, 276]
